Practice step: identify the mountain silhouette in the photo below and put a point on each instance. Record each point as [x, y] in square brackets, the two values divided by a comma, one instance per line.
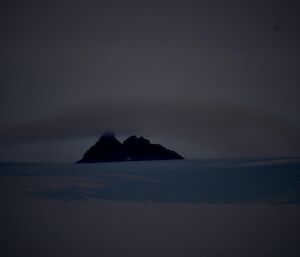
[110, 149]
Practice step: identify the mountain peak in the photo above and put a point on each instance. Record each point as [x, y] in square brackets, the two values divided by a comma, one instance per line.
[109, 149]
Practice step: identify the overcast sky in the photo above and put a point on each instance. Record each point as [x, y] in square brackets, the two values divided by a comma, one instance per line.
[208, 78]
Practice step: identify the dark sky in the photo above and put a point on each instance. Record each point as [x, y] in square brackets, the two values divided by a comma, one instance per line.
[205, 78]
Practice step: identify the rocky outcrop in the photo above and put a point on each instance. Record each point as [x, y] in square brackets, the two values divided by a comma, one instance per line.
[109, 149]
[106, 149]
[140, 149]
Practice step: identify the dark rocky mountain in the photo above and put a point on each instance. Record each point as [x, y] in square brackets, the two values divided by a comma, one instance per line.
[109, 149]
[139, 149]
[106, 149]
